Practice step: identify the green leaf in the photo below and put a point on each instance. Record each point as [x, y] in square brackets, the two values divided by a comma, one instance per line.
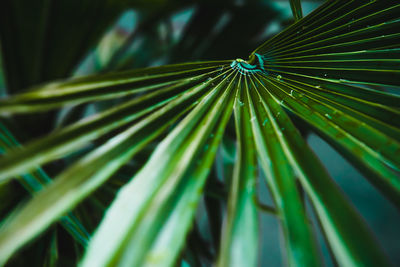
[334, 69]
[281, 177]
[52, 251]
[349, 133]
[107, 86]
[35, 181]
[165, 191]
[347, 234]
[239, 244]
[338, 26]
[327, 75]
[82, 178]
[73, 137]
[295, 5]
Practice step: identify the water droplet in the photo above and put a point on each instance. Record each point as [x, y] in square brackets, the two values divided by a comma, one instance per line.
[279, 77]
[282, 101]
[240, 103]
[277, 114]
[265, 122]
[318, 86]
[325, 74]
[328, 116]
[253, 118]
[291, 92]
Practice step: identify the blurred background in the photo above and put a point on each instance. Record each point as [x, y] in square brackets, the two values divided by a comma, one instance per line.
[41, 42]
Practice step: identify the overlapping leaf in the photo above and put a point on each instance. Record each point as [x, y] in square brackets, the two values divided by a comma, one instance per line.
[35, 181]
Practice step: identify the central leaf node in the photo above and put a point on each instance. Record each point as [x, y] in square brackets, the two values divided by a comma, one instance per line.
[248, 68]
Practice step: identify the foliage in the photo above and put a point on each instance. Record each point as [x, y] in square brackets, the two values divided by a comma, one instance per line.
[147, 155]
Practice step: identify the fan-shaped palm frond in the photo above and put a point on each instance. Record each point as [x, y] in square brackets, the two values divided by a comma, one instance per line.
[329, 69]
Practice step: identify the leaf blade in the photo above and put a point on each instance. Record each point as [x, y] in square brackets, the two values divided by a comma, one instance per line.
[347, 234]
[152, 189]
[240, 236]
[300, 243]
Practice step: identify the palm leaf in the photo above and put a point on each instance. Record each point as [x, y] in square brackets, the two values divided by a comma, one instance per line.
[295, 5]
[35, 181]
[240, 238]
[330, 69]
[281, 176]
[171, 182]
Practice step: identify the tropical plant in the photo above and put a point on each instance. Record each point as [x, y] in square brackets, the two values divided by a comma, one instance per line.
[148, 158]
